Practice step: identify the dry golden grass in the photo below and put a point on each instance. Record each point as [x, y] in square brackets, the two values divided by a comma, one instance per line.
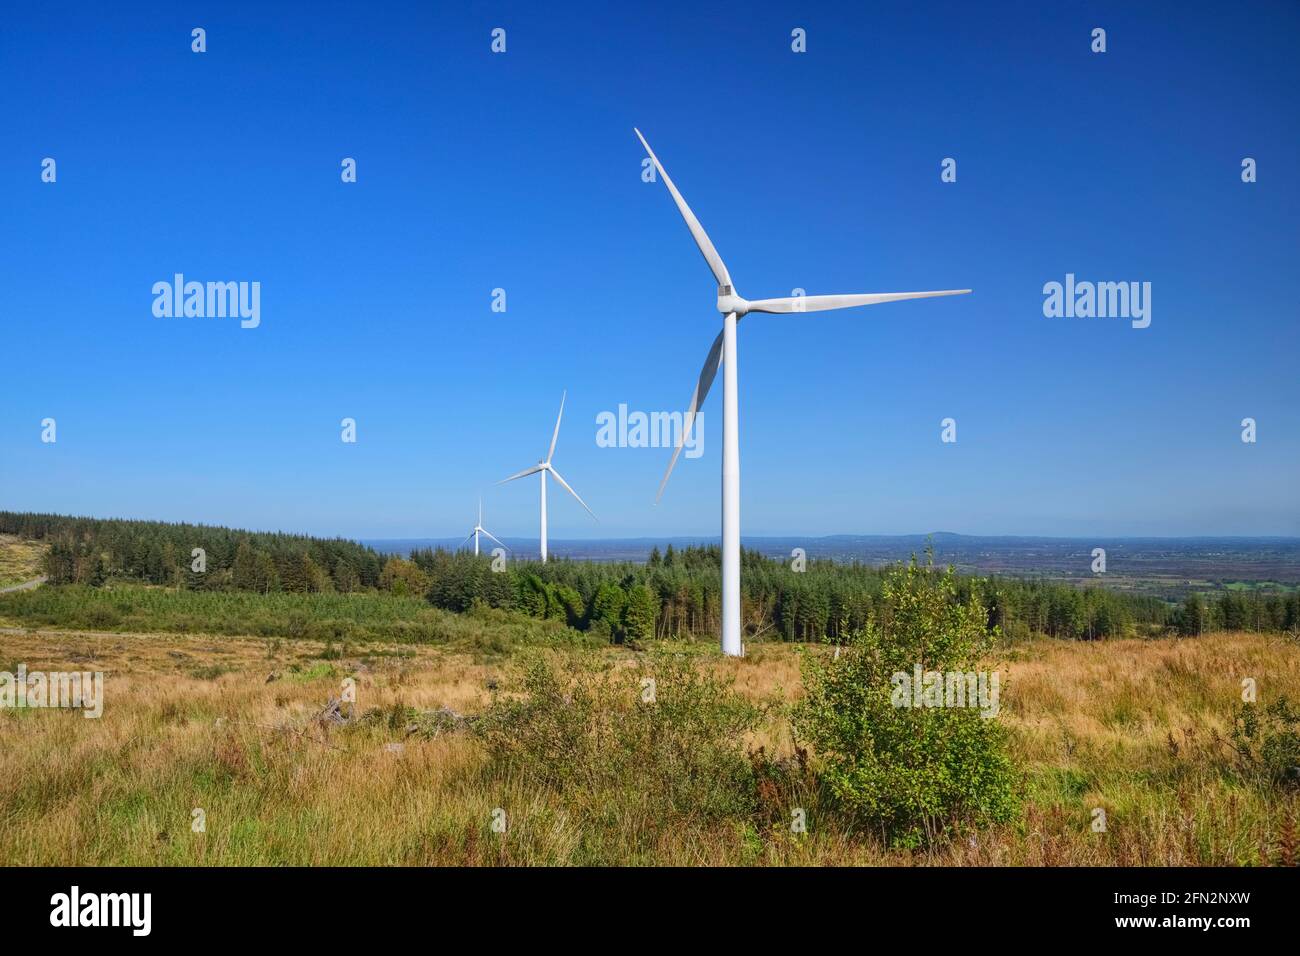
[20, 560]
[1133, 727]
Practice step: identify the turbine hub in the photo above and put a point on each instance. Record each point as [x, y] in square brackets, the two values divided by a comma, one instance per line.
[728, 301]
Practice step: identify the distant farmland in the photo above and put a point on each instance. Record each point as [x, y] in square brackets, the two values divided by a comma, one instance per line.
[1164, 567]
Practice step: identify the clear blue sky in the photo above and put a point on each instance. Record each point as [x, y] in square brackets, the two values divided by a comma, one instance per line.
[521, 171]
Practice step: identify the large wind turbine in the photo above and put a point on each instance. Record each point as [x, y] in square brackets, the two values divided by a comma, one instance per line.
[544, 468]
[723, 354]
[479, 529]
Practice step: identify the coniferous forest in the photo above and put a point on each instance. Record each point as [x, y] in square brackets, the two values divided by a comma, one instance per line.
[675, 593]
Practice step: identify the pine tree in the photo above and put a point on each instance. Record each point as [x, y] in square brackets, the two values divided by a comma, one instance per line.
[572, 606]
[245, 568]
[346, 579]
[265, 576]
[60, 563]
[607, 607]
[1191, 618]
[639, 615]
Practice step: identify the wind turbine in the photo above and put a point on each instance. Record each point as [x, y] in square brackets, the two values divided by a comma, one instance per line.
[544, 468]
[723, 355]
[479, 529]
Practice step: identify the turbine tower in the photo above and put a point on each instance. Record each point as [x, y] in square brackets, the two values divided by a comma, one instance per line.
[544, 468]
[479, 529]
[723, 355]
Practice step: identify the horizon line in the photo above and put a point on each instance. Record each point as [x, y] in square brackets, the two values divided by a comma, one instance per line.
[1124, 536]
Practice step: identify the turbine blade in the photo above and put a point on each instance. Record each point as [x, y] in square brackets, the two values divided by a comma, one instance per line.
[556, 435]
[556, 475]
[493, 537]
[467, 540]
[712, 362]
[521, 474]
[716, 265]
[820, 303]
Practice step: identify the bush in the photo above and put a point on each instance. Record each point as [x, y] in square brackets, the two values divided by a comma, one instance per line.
[916, 774]
[660, 741]
[103, 618]
[1267, 741]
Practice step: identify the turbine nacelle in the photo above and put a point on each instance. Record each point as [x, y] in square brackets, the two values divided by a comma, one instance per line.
[728, 301]
[478, 529]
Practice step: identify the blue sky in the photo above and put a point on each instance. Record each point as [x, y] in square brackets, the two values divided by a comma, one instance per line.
[521, 171]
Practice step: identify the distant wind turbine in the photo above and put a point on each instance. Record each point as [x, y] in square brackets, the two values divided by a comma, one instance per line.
[723, 352]
[544, 468]
[479, 529]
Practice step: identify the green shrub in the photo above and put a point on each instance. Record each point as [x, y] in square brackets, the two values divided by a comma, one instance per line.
[316, 671]
[661, 740]
[103, 618]
[915, 774]
[342, 618]
[1267, 741]
[209, 671]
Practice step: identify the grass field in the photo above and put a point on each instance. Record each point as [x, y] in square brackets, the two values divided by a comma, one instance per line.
[339, 618]
[225, 725]
[19, 560]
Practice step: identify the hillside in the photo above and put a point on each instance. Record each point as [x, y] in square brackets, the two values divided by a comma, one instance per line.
[20, 560]
[673, 594]
[1138, 729]
[483, 697]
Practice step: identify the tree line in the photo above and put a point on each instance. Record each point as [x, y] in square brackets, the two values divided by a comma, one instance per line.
[196, 557]
[676, 593]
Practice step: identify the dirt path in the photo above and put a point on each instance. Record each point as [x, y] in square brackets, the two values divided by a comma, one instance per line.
[25, 586]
